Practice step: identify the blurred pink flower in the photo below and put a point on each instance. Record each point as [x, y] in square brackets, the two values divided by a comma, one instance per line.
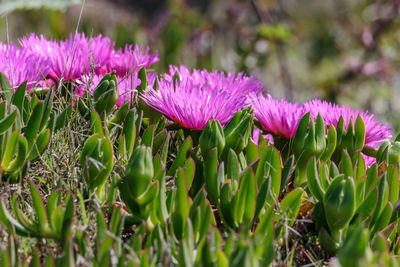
[129, 61]
[72, 58]
[197, 96]
[24, 66]
[279, 117]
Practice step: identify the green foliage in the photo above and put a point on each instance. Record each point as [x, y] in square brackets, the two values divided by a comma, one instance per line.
[53, 221]
[24, 129]
[153, 194]
[105, 95]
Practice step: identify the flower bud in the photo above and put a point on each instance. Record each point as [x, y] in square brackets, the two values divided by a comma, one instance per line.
[105, 95]
[212, 136]
[237, 131]
[96, 160]
[139, 171]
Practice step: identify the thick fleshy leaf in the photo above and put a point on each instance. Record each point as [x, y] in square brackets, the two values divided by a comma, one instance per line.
[118, 117]
[7, 121]
[158, 140]
[359, 133]
[19, 97]
[181, 156]
[320, 135]
[245, 204]
[226, 205]
[189, 168]
[346, 165]
[9, 222]
[270, 165]
[148, 136]
[182, 198]
[32, 128]
[287, 171]
[300, 136]
[290, 205]
[210, 173]
[40, 145]
[393, 181]
[129, 132]
[47, 108]
[331, 145]
[232, 167]
[63, 118]
[383, 197]
[95, 121]
[38, 206]
[314, 180]
[251, 152]
[17, 145]
[5, 87]
[384, 218]
[262, 196]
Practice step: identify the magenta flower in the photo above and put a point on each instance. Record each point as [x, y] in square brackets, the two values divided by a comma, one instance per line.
[72, 58]
[231, 82]
[199, 96]
[277, 117]
[24, 66]
[375, 132]
[129, 61]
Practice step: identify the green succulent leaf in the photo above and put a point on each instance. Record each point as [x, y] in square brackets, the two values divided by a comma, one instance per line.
[181, 156]
[290, 205]
[6, 122]
[38, 206]
[210, 173]
[182, 198]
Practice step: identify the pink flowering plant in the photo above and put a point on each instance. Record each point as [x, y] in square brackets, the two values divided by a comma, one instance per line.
[188, 167]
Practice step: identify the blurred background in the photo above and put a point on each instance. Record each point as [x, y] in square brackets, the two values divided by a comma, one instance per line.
[343, 51]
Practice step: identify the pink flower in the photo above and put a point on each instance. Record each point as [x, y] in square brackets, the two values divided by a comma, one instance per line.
[21, 66]
[72, 58]
[196, 97]
[278, 117]
[231, 82]
[129, 61]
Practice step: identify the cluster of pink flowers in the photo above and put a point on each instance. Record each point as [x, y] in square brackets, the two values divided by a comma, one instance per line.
[19, 65]
[188, 97]
[73, 60]
[191, 99]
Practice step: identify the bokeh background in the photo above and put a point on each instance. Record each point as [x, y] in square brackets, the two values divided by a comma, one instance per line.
[344, 51]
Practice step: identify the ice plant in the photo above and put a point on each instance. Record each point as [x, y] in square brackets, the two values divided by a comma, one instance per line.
[21, 66]
[375, 132]
[191, 99]
[278, 117]
[73, 57]
[129, 60]
[126, 85]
